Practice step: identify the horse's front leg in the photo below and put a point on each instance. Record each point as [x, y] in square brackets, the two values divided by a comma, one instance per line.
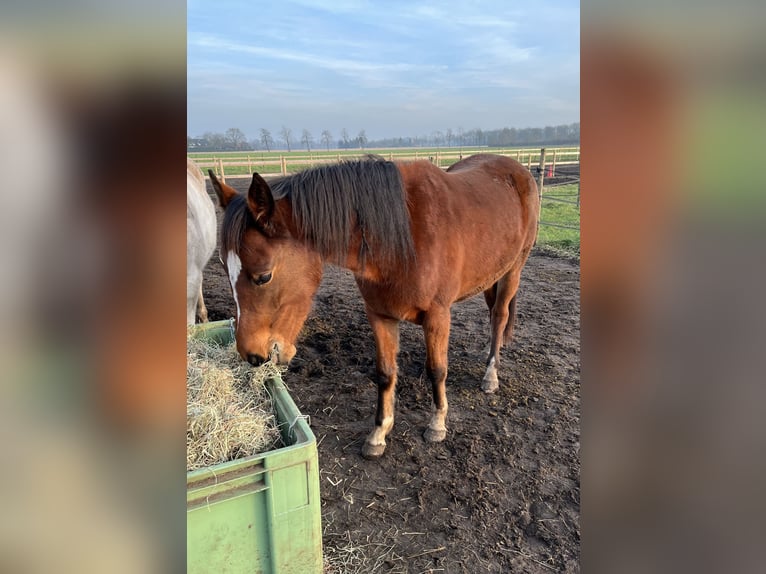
[202, 310]
[386, 333]
[436, 327]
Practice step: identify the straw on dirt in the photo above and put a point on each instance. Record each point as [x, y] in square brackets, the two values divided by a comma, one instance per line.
[228, 410]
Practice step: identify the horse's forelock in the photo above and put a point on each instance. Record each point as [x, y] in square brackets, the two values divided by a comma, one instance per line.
[236, 219]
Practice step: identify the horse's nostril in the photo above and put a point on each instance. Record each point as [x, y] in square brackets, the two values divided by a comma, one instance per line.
[255, 360]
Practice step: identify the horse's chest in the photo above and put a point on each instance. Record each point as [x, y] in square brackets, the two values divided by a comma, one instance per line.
[397, 302]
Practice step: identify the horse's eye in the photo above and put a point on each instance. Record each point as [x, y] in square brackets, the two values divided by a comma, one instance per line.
[262, 279]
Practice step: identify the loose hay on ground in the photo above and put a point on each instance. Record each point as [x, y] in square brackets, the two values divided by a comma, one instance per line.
[229, 412]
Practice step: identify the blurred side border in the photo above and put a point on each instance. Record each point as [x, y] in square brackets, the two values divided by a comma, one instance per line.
[92, 298]
[673, 312]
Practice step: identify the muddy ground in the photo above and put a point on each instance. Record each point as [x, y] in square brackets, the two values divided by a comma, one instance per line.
[502, 492]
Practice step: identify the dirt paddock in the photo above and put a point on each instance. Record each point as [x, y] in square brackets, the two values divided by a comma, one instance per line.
[502, 492]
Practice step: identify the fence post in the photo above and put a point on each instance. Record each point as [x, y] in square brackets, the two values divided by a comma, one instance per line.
[553, 167]
[284, 164]
[220, 166]
[542, 173]
[249, 165]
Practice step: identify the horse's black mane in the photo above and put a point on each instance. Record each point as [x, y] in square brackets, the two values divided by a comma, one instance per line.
[329, 200]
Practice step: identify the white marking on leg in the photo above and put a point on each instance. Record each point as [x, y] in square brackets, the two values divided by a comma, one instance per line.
[437, 427]
[438, 418]
[378, 434]
[234, 265]
[490, 382]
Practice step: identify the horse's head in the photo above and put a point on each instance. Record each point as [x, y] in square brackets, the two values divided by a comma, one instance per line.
[273, 275]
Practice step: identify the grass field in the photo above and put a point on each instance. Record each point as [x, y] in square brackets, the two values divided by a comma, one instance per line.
[560, 213]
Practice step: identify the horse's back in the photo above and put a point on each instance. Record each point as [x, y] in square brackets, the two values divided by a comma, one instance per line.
[484, 188]
[472, 224]
[500, 184]
[491, 165]
[200, 234]
[200, 210]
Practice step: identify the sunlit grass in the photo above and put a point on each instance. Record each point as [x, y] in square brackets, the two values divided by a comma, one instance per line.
[560, 213]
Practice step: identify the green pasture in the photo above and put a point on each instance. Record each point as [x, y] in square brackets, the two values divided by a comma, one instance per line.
[555, 210]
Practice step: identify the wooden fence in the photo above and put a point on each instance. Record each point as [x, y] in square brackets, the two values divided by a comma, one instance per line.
[243, 165]
[542, 162]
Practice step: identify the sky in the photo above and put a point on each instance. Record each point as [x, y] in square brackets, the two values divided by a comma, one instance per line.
[392, 68]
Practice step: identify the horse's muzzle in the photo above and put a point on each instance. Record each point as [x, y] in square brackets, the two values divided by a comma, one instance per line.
[255, 360]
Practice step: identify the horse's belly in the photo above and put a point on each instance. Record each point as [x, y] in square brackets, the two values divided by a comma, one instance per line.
[475, 288]
[482, 276]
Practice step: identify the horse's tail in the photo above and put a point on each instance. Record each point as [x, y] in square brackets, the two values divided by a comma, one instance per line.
[508, 331]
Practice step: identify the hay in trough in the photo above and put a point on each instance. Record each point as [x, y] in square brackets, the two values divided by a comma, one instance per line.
[229, 413]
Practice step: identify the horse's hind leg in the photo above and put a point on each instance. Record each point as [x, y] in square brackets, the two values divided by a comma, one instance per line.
[489, 296]
[201, 309]
[508, 331]
[436, 327]
[386, 332]
[502, 319]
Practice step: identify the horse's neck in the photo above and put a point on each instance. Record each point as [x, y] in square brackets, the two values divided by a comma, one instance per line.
[353, 260]
[358, 261]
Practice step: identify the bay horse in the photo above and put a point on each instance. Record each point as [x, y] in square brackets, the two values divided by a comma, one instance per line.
[416, 238]
[201, 230]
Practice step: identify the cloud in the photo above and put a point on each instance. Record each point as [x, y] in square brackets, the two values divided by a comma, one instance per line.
[405, 62]
[345, 66]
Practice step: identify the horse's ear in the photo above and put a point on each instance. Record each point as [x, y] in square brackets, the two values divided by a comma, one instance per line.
[224, 192]
[260, 200]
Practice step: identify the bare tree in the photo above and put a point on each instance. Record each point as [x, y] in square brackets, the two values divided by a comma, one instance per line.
[344, 137]
[307, 139]
[362, 139]
[236, 139]
[287, 135]
[266, 139]
[326, 138]
[449, 137]
[215, 141]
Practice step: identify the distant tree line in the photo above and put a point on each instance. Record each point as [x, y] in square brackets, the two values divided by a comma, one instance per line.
[235, 140]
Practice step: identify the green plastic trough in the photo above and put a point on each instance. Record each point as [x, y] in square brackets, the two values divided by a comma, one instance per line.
[260, 514]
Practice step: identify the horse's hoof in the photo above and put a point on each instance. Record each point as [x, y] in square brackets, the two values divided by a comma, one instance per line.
[373, 451]
[489, 387]
[432, 435]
